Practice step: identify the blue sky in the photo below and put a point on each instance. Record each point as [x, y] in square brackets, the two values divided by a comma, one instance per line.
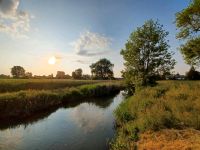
[77, 32]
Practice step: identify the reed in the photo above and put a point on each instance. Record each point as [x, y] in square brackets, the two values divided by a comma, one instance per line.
[26, 102]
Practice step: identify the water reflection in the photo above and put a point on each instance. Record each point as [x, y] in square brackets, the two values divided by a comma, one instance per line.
[78, 125]
[88, 117]
[14, 123]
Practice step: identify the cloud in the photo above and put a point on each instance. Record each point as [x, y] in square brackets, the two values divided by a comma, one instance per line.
[83, 61]
[13, 21]
[91, 44]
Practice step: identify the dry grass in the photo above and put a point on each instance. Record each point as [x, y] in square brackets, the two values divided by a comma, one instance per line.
[170, 139]
[169, 105]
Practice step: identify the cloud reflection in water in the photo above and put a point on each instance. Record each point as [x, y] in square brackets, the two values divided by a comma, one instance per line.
[88, 117]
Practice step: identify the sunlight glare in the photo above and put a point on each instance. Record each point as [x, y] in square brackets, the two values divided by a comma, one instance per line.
[52, 60]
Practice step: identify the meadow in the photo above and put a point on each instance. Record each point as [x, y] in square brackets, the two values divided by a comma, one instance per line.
[166, 116]
[13, 85]
[22, 98]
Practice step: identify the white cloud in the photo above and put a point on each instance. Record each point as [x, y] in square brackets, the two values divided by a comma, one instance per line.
[91, 44]
[13, 21]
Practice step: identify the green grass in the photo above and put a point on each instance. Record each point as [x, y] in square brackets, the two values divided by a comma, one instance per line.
[170, 104]
[13, 85]
[26, 102]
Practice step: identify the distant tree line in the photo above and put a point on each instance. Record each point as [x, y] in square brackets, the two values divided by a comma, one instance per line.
[3, 76]
[101, 70]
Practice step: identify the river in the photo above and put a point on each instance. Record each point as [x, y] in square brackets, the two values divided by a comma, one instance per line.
[86, 125]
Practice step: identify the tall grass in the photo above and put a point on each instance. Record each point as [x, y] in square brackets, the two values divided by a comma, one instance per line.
[26, 102]
[171, 104]
[13, 85]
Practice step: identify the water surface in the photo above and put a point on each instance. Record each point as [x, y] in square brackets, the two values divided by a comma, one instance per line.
[86, 125]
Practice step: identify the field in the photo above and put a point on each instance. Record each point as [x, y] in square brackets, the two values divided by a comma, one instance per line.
[21, 98]
[166, 116]
[11, 85]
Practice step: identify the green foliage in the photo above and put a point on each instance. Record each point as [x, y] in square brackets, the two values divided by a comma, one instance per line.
[146, 55]
[18, 72]
[188, 20]
[134, 135]
[126, 116]
[77, 74]
[102, 69]
[170, 104]
[24, 103]
[191, 51]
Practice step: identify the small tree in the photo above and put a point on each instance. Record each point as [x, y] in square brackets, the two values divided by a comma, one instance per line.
[102, 69]
[18, 72]
[146, 55]
[77, 74]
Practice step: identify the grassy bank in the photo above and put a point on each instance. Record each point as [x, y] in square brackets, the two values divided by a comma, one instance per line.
[160, 117]
[26, 102]
[13, 85]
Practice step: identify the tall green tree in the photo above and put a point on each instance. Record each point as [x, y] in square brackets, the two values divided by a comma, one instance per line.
[188, 21]
[18, 72]
[102, 69]
[146, 55]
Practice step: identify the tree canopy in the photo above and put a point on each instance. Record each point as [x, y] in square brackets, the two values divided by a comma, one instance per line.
[191, 51]
[188, 21]
[102, 69]
[146, 55]
[77, 74]
[18, 72]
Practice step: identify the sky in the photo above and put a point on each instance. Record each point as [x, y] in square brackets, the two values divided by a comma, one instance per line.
[78, 33]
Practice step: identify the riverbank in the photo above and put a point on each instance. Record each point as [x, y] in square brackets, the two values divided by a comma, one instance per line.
[24, 103]
[161, 117]
[86, 124]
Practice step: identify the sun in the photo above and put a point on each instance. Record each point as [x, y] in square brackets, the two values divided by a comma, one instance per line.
[52, 60]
